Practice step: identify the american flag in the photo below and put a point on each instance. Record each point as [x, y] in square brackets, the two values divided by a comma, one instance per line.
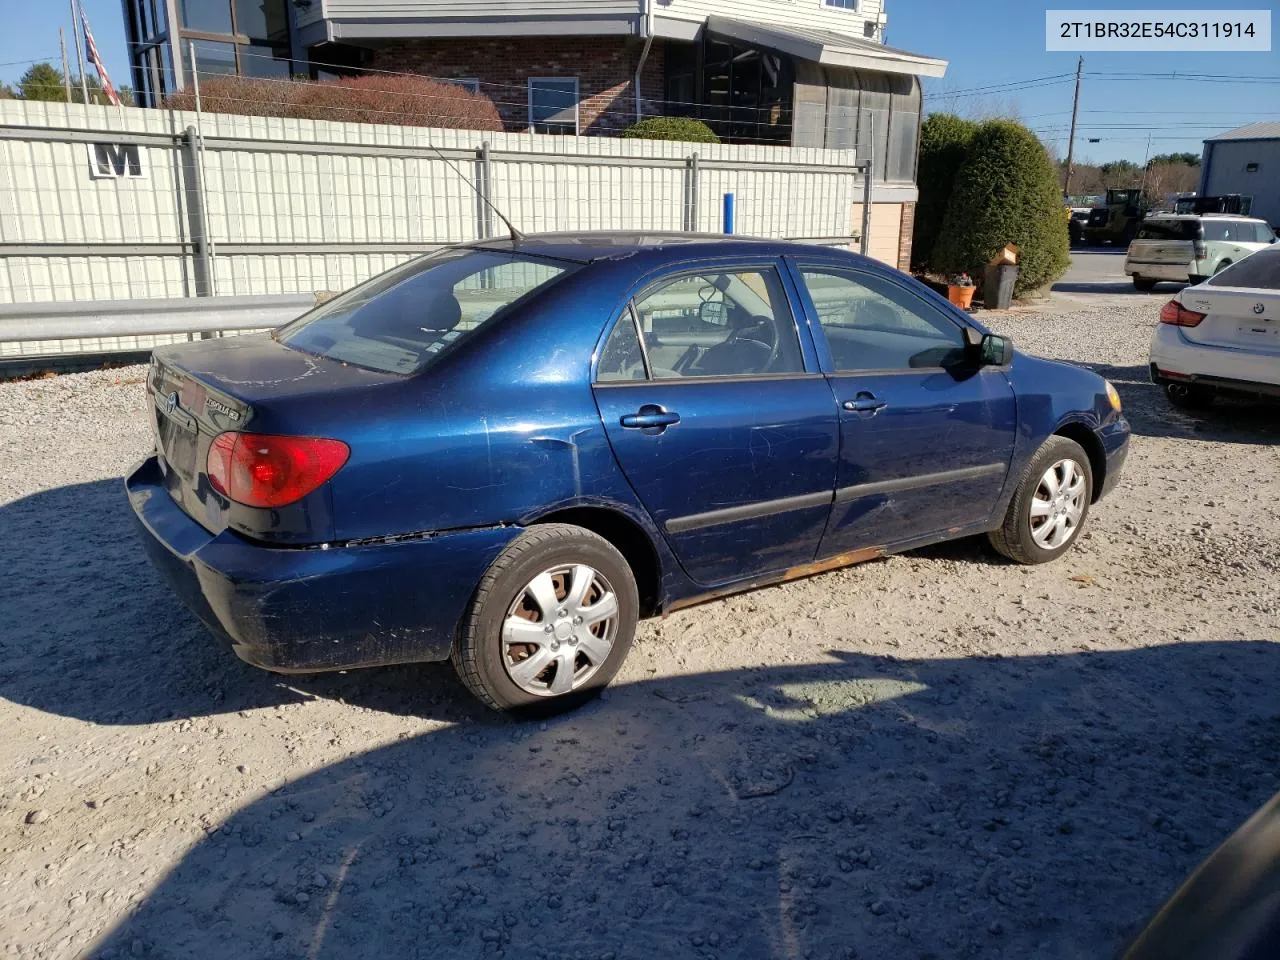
[91, 50]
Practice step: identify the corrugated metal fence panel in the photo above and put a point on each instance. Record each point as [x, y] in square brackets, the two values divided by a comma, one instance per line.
[295, 184]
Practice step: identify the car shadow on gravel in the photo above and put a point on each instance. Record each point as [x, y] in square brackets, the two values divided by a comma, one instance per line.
[91, 631]
[864, 807]
[1229, 420]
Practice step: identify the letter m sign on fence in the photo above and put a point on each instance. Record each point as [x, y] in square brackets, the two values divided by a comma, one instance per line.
[113, 161]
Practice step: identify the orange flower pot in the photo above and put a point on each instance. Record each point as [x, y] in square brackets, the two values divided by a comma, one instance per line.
[962, 297]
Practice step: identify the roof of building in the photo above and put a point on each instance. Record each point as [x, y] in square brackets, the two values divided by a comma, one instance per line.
[827, 47]
[1266, 130]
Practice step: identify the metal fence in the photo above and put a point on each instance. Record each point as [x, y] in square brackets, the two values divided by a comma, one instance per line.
[106, 204]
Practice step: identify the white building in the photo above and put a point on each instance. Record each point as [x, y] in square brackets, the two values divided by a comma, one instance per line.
[1245, 161]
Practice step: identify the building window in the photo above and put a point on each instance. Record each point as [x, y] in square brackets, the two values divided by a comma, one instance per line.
[841, 4]
[553, 105]
[470, 84]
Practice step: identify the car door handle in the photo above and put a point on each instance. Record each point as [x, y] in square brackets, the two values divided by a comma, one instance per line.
[864, 403]
[649, 416]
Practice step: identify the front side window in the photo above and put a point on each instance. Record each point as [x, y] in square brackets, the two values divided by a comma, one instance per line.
[553, 104]
[1263, 233]
[872, 324]
[719, 323]
[400, 321]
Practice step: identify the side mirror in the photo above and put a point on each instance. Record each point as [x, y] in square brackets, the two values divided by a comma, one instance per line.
[989, 350]
[996, 351]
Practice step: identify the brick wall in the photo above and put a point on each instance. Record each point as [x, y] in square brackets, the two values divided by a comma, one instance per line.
[604, 66]
[904, 238]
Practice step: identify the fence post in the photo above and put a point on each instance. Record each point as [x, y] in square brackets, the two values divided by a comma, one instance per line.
[695, 196]
[484, 183]
[868, 175]
[197, 217]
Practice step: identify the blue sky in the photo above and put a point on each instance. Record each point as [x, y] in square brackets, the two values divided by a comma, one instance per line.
[992, 44]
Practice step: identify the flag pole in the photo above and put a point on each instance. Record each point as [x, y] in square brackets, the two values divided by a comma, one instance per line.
[66, 70]
[75, 35]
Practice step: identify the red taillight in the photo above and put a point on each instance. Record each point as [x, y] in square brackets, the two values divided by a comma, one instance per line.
[260, 470]
[1175, 313]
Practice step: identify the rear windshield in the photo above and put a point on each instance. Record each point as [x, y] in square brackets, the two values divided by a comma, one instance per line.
[1259, 271]
[1169, 230]
[401, 320]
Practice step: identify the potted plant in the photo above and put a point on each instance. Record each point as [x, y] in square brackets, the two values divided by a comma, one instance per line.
[960, 291]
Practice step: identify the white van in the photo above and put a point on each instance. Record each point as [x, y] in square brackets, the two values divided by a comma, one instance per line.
[1190, 247]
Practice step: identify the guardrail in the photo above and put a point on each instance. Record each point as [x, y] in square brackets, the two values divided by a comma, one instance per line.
[140, 318]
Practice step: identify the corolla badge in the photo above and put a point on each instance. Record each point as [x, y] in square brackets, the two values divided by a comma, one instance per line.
[171, 403]
[1259, 308]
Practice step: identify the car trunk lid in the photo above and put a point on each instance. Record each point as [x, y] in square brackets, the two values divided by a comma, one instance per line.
[1165, 252]
[1235, 317]
[199, 390]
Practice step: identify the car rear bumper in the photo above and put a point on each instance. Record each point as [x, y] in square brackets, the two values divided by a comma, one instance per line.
[1227, 367]
[1158, 271]
[305, 610]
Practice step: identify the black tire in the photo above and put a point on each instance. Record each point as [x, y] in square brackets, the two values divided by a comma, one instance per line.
[1013, 537]
[1145, 284]
[1190, 396]
[1195, 279]
[478, 655]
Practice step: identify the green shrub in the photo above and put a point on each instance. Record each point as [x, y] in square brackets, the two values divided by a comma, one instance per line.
[944, 141]
[671, 128]
[1006, 192]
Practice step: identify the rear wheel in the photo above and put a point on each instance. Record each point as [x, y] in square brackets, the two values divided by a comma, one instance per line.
[1220, 267]
[551, 621]
[1145, 284]
[1050, 506]
[1190, 396]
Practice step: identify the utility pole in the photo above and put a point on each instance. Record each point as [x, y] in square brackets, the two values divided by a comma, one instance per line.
[66, 70]
[1071, 144]
[76, 22]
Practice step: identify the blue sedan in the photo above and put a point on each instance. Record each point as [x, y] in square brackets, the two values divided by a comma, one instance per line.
[508, 452]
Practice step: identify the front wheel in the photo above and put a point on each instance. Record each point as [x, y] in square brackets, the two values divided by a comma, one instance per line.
[551, 621]
[1050, 506]
[1145, 284]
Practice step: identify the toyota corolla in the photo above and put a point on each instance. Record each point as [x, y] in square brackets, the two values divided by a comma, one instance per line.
[508, 452]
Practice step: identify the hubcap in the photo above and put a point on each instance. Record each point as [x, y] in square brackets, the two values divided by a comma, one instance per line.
[1058, 505]
[559, 630]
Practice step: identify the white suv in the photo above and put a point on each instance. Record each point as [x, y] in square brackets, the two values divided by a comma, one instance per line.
[1223, 336]
[1189, 247]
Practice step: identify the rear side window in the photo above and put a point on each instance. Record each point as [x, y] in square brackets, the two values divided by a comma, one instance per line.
[1217, 230]
[717, 323]
[1259, 271]
[1169, 230]
[401, 320]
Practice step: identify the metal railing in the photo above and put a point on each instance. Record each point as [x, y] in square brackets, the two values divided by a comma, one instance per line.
[140, 318]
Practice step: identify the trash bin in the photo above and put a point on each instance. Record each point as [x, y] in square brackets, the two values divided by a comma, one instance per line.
[997, 286]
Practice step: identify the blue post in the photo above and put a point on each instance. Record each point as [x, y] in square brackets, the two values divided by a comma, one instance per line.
[728, 213]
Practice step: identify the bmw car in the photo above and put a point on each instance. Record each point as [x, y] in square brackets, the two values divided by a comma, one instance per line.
[508, 452]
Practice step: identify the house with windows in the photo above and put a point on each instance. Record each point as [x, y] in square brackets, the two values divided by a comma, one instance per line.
[797, 72]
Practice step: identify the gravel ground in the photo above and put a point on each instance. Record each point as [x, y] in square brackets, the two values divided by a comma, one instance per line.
[934, 755]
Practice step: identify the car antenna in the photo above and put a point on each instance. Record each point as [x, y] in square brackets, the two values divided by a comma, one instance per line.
[516, 235]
